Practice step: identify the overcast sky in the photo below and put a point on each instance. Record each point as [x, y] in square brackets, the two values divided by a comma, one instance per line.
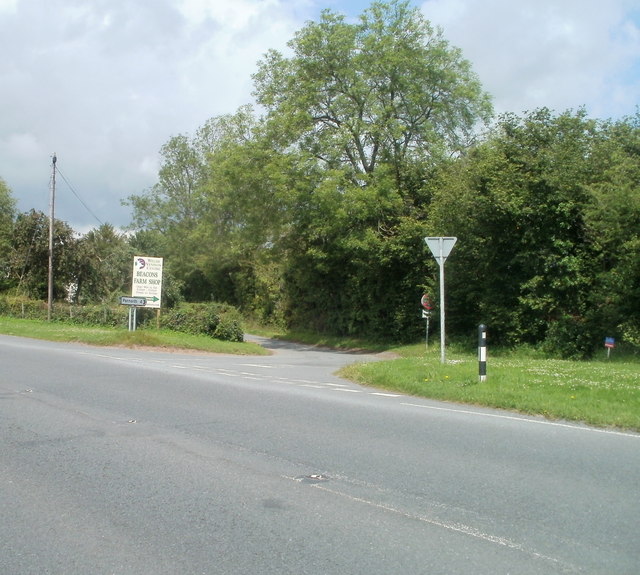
[105, 83]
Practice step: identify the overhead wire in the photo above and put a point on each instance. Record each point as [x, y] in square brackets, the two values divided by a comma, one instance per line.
[78, 197]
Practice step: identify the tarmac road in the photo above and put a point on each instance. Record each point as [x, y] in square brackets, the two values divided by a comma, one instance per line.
[138, 462]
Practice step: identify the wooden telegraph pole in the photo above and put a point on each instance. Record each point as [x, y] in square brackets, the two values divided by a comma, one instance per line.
[51, 220]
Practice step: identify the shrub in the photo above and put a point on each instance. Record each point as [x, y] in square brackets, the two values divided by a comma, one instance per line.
[569, 338]
[216, 320]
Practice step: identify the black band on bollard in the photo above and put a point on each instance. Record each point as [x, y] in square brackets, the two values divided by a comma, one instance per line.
[482, 351]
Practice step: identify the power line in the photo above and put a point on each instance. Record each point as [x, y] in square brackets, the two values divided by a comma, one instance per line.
[78, 197]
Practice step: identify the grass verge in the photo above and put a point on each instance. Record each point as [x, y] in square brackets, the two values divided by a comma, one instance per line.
[101, 336]
[600, 392]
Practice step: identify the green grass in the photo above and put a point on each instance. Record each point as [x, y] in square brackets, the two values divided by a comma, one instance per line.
[601, 392]
[103, 336]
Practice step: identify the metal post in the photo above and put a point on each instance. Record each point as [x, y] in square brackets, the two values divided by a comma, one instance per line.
[482, 352]
[440, 248]
[442, 332]
[426, 335]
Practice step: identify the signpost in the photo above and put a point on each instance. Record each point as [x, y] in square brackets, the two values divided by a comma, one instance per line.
[441, 248]
[147, 280]
[609, 343]
[134, 303]
[426, 314]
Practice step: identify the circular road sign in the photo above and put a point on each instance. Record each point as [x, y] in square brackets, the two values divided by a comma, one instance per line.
[426, 302]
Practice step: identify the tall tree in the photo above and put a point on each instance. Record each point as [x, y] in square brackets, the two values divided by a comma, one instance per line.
[29, 255]
[614, 219]
[517, 202]
[386, 89]
[369, 107]
[104, 265]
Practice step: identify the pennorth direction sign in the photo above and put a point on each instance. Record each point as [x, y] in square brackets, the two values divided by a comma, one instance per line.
[134, 301]
[147, 280]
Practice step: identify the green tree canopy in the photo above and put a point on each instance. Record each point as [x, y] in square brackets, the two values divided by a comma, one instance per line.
[103, 269]
[7, 215]
[386, 89]
[29, 255]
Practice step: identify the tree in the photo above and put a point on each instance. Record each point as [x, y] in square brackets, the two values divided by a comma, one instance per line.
[29, 255]
[613, 217]
[7, 215]
[387, 89]
[103, 265]
[369, 108]
[517, 202]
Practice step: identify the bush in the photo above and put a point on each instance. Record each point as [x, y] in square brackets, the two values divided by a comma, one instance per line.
[569, 338]
[219, 321]
[216, 320]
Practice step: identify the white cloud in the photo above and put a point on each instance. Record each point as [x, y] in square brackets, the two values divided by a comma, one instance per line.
[560, 54]
[233, 15]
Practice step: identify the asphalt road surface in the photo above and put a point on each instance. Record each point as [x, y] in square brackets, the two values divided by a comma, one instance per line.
[118, 461]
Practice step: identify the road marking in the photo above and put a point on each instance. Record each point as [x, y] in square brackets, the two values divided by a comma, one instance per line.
[347, 390]
[457, 527]
[525, 420]
[385, 394]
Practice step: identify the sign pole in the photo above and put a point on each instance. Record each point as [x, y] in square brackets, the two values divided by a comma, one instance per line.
[426, 314]
[426, 334]
[442, 352]
[441, 248]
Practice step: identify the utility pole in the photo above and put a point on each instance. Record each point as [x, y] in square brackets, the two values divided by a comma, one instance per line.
[51, 220]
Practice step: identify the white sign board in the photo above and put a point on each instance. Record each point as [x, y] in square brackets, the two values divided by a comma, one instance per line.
[147, 280]
[441, 247]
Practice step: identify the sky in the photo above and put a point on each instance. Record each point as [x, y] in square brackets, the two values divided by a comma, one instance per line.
[104, 84]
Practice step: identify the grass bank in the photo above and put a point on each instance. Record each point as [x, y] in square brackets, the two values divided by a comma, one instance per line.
[600, 392]
[104, 336]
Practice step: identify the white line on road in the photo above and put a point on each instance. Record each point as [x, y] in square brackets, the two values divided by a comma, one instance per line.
[457, 527]
[525, 420]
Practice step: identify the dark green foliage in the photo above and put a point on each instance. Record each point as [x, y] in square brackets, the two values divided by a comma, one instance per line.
[29, 256]
[103, 269]
[22, 307]
[569, 337]
[517, 203]
[219, 321]
[96, 315]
